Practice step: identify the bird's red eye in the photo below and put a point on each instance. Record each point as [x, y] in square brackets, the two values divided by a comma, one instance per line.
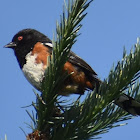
[20, 38]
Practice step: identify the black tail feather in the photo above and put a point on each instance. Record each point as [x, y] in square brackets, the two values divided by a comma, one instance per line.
[128, 104]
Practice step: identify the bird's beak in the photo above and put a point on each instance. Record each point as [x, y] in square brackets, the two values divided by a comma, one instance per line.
[10, 45]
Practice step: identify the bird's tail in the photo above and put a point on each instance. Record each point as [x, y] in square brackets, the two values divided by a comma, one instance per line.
[124, 101]
[128, 104]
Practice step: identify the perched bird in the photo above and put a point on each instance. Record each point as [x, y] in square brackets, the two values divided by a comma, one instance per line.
[32, 49]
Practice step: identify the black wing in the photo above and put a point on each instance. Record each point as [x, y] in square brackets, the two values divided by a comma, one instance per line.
[82, 65]
[77, 61]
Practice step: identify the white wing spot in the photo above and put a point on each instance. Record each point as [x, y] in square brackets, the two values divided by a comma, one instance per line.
[48, 44]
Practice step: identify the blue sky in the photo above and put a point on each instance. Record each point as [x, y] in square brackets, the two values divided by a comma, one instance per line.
[109, 26]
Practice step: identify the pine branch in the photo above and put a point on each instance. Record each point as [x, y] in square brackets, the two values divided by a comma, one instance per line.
[66, 33]
[96, 114]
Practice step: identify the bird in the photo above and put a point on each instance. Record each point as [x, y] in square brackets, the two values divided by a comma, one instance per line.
[32, 49]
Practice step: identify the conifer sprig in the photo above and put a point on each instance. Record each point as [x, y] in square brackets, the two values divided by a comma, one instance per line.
[66, 33]
[96, 114]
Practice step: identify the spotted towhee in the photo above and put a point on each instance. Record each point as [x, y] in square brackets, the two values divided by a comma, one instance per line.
[32, 49]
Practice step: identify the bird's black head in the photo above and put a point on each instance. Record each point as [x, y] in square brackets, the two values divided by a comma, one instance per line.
[24, 41]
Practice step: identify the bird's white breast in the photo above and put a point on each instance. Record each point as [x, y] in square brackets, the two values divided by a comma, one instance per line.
[33, 72]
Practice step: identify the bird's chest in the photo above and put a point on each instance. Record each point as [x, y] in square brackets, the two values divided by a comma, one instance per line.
[33, 71]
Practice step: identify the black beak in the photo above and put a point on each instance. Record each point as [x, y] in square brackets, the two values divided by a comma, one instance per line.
[10, 45]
